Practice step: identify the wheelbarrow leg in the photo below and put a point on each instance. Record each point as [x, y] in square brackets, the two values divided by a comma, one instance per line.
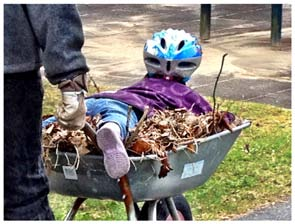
[172, 208]
[71, 214]
[152, 210]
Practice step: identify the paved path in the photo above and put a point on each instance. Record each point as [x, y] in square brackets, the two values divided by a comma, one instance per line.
[277, 211]
[115, 35]
[253, 70]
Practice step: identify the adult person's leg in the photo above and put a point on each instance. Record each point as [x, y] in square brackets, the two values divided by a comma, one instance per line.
[25, 182]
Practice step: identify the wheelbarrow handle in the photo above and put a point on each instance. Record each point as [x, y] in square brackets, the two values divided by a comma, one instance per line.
[88, 130]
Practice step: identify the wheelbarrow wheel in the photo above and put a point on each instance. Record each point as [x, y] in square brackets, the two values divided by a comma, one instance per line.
[181, 204]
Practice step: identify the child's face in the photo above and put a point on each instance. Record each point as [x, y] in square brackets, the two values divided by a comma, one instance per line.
[168, 77]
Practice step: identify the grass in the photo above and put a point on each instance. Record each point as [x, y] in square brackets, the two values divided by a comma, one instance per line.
[255, 172]
[246, 180]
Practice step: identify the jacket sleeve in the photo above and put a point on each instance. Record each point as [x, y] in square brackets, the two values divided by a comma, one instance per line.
[58, 30]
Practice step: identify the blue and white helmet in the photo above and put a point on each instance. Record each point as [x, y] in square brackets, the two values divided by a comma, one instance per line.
[172, 53]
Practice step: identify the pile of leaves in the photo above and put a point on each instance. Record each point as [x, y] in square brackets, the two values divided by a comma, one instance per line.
[163, 132]
[54, 137]
[169, 129]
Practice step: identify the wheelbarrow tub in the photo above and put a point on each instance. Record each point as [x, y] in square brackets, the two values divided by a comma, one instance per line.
[190, 170]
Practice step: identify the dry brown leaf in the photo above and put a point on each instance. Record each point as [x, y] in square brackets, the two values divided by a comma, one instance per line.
[141, 146]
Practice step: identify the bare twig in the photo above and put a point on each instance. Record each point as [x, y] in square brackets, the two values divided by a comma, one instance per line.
[215, 87]
[88, 130]
[128, 119]
[94, 83]
[139, 124]
[174, 131]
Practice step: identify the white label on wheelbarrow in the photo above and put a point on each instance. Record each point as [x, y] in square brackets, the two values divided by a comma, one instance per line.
[192, 169]
[70, 172]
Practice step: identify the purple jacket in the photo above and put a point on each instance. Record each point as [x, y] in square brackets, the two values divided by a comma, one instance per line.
[159, 94]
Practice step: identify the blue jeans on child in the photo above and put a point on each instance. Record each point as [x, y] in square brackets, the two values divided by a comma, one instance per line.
[110, 111]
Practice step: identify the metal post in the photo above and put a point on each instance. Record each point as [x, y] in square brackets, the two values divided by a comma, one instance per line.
[205, 21]
[276, 24]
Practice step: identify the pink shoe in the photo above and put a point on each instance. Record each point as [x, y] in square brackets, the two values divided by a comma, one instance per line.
[116, 160]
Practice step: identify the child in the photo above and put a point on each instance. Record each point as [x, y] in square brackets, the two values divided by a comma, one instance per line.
[171, 56]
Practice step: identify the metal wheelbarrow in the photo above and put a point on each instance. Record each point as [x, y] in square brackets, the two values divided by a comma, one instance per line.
[85, 177]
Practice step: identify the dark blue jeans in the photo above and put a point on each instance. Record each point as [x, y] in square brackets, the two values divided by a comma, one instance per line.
[25, 182]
